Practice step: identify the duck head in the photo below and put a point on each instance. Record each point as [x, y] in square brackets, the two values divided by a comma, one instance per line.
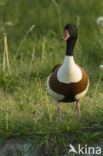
[70, 31]
[70, 35]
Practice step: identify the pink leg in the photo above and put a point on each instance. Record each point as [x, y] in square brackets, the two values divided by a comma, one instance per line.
[59, 112]
[78, 109]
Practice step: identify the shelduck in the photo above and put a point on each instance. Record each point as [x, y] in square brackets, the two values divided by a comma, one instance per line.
[68, 82]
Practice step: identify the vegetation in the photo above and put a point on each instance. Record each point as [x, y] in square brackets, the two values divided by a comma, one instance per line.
[34, 29]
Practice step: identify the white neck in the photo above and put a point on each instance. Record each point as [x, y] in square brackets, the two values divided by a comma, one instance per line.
[69, 71]
[69, 61]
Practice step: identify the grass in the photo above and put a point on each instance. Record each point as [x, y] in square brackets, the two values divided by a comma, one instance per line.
[34, 48]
